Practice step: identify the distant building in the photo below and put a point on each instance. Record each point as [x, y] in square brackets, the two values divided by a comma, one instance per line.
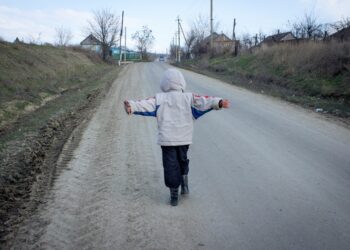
[341, 35]
[91, 43]
[278, 38]
[221, 43]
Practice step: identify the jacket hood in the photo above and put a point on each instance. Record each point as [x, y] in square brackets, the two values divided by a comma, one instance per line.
[172, 80]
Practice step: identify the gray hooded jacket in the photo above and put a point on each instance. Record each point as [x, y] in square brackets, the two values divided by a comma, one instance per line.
[174, 109]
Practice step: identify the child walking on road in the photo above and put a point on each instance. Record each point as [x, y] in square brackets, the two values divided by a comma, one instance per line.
[175, 111]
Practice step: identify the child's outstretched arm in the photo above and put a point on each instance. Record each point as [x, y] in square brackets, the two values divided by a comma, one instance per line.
[146, 107]
[204, 104]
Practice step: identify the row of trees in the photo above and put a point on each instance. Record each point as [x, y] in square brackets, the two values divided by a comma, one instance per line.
[310, 28]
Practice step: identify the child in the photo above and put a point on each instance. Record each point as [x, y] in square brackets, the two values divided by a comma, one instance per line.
[175, 111]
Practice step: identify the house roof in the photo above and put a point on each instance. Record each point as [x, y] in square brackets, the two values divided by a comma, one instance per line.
[342, 34]
[216, 36]
[90, 40]
[277, 37]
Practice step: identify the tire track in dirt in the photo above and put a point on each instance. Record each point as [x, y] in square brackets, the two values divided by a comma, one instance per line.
[101, 179]
[81, 190]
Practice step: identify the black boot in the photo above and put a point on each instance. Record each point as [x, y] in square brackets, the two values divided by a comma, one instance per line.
[174, 196]
[184, 185]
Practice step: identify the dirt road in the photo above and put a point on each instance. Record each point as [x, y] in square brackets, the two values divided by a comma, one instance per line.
[263, 175]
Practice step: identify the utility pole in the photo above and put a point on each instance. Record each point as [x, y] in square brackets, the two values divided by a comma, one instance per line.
[178, 36]
[235, 51]
[183, 33]
[120, 39]
[234, 30]
[176, 48]
[211, 25]
[125, 45]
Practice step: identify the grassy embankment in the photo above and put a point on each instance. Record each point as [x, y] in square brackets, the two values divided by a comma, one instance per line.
[45, 93]
[40, 82]
[315, 75]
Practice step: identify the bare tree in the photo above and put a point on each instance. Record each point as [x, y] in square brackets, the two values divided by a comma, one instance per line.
[144, 40]
[247, 40]
[105, 27]
[63, 36]
[342, 24]
[256, 41]
[35, 40]
[261, 36]
[172, 50]
[191, 38]
[309, 27]
[200, 28]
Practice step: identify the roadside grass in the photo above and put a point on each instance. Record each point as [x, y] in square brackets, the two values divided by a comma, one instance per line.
[41, 82]
[31, 74]
[311, 74]
[67, 102]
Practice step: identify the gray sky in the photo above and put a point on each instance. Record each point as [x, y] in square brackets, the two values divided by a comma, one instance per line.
[37, 19]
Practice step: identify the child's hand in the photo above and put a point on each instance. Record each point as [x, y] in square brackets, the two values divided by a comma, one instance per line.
[224, 103]
[127, 107]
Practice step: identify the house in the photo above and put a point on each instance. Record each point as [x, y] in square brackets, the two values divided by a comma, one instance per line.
[91, 43]
[278, 38]
[221, 43]
[341, 35]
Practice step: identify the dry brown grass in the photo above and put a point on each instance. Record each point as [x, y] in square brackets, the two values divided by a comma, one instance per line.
[325, 59]
[30, 74]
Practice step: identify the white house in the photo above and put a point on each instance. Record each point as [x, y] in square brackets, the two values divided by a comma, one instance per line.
[91, 43]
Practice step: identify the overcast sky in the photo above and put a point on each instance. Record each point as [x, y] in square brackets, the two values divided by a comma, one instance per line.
[37, 19]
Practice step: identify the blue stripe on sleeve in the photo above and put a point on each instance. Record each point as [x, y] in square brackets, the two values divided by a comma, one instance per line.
[198, 113]
[151, 113]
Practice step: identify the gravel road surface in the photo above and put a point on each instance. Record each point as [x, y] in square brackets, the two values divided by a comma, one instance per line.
[264, 174]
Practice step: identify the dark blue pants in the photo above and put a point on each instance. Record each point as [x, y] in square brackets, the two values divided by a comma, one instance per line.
[175, 164]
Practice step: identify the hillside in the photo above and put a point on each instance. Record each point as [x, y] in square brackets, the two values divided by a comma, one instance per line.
[45, 94]
[316, 75]
[31, 75]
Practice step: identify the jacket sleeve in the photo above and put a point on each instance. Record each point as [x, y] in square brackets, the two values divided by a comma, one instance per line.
[146, 107]
[204, 104]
